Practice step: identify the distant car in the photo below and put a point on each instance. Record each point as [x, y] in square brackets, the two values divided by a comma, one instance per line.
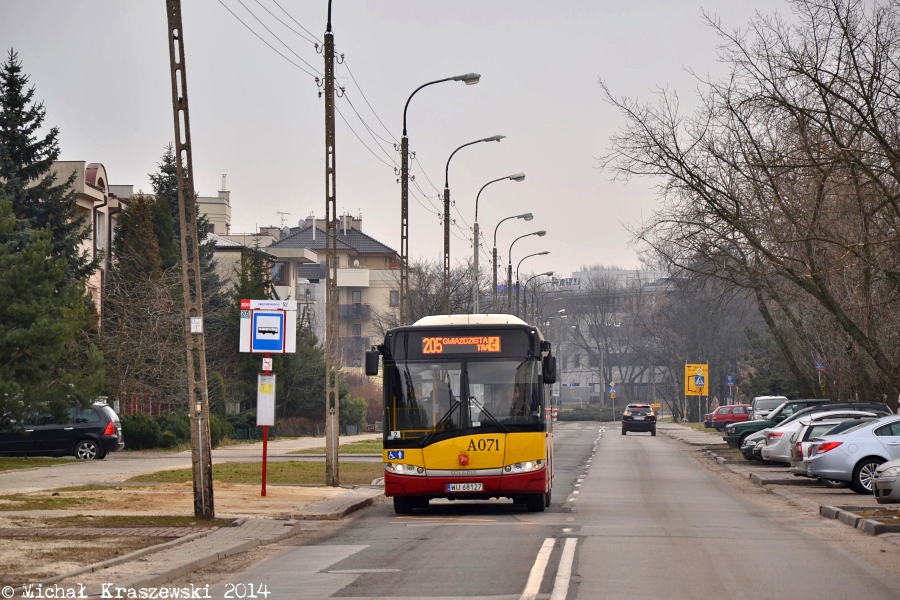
[639, 417]
[85, 433]
[726, 415]
[854, 455]
[707, 420]
[761, 406]
[887, 482]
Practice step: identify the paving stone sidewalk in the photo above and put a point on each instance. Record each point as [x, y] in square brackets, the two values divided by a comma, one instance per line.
[162, 532]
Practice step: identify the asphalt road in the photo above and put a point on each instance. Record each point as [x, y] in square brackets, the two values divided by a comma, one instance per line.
[638, 518]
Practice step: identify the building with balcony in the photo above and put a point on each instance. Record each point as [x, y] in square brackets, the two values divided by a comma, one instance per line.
[97, 204]
[367, 279]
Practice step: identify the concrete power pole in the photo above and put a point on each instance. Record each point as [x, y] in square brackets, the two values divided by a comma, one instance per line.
[198, 398]
[332, 341]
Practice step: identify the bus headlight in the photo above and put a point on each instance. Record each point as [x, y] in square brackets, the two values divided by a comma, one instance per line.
[402, 469]
[524, 467]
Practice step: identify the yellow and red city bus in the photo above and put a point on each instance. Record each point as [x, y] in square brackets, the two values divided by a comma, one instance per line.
[466, 411]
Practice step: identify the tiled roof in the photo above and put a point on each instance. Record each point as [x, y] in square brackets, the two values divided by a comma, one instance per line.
[354, 239]
[221, 242]
[310, 272]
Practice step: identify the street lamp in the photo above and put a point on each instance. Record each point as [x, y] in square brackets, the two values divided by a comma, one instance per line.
[468, 79]
[525, 290]
[527, 217]
[540, 233]
[534, 315]
[493, 138]
[517, 276]
[475, 291]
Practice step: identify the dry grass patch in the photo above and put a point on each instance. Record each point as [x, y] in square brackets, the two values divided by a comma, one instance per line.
[123, 521]
[30, 462]
[34, 559]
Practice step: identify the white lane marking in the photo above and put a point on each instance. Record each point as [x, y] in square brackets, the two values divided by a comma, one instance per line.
[533, 586]
[360, 571]
[564, 572]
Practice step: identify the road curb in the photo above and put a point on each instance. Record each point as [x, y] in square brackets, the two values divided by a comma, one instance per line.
[327, 511]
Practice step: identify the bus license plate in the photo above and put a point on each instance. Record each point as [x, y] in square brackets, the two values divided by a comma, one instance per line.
[465, 487]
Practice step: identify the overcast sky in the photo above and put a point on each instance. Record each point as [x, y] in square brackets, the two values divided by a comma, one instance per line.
[102, 69]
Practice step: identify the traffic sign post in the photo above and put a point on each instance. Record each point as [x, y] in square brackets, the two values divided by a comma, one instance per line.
[267, 327]
[696, 383]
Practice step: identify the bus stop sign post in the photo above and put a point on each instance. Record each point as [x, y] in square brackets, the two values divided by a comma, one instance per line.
[267, 327]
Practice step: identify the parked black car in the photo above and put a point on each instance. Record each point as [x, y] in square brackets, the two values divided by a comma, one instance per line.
[639, 417]
[86, 433]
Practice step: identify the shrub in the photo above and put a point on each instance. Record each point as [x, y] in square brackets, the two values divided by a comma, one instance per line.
[219, 428]
[591, 412]
[140, 432]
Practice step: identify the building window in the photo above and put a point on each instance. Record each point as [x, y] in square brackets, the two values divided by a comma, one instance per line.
[210, 228]
[336, 261]
[278, 273]
[594, 360]
[565, 362]
[577, 360]
[357, 297]
[395, 298]
[357, 330]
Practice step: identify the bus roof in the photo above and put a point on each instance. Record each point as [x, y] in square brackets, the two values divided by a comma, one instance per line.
[441, 320]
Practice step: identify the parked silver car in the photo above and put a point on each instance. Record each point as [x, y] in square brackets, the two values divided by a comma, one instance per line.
[887, 482]
[777, 446]
[853, 456]
[803, 439]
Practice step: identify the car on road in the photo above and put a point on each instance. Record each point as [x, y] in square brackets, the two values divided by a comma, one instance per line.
[777, 447]
[707, 420]
[854, 455]
[726, 415]
[886, 483]
[761, 406]
[639, 417]
[86, 433]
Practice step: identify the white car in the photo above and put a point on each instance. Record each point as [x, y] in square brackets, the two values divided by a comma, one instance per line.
[777, 445]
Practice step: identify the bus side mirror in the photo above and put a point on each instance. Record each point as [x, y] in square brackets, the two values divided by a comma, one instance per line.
[372, 362]
[549, 368]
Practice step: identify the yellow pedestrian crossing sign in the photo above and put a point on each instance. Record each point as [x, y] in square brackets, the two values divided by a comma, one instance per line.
[696, 379]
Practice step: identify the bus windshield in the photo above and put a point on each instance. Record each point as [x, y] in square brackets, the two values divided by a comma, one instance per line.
[426, 399]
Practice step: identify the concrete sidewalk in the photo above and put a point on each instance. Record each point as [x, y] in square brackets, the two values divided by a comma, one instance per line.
[688, 435]
[158, 565]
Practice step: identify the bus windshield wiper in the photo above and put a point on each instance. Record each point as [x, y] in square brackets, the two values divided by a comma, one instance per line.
[439, 424]
[486, 412]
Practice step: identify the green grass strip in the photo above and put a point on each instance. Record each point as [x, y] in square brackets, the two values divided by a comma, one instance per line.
[362, 447]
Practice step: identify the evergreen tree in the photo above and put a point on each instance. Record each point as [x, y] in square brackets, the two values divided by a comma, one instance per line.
[164, 227]
[26, 176]
[136, 246]
[45, 364]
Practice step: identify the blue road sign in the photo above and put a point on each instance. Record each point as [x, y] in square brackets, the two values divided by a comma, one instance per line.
[612, 389]
[819, 366]
[729, 380]
[699, 381]
[267, 331]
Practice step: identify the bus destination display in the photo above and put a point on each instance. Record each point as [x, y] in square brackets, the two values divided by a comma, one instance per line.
[461, 344]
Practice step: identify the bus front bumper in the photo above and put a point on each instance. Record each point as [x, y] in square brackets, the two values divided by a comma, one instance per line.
[493, 486]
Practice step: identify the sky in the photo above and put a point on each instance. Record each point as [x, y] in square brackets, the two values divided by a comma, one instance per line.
[101, 67]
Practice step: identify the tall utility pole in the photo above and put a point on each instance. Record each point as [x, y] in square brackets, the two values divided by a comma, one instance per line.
[198, 398]
[332, 343]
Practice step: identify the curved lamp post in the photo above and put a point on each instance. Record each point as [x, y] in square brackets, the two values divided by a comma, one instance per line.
[540, 233]
[525, 216]
[468, 79]
[476, 274]
[553, 280]
[493, 138]
[517, 276]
